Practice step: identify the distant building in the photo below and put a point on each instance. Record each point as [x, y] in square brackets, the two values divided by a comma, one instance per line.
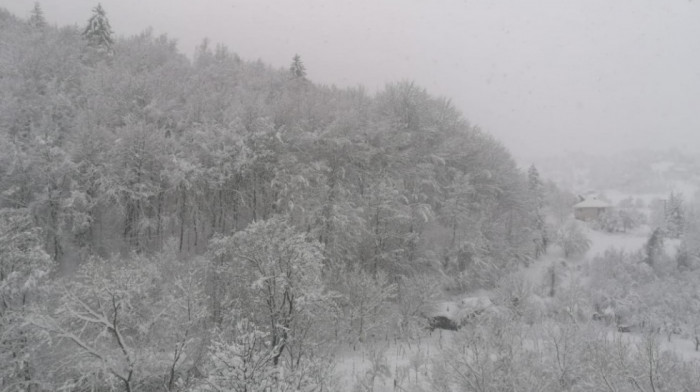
[590, 209]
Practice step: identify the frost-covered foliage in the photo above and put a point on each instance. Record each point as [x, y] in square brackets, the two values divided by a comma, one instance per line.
[272, 274]
[24, 266]
[132, 324]
[363, 303]
[675, 215]
[121, 155]
[502, 354]
[572, 239]
[616, 278]
[537, 193]
[627, 291]
[297, 69]
[414, 295]
[621, 219]
[558, 202]
[243, 363]
[654, 251]
[36, 19]
[23, 261]
[379, 370]
[98, 31]
[244, 360]
[269, 293]
[180, 197]
[688, 256]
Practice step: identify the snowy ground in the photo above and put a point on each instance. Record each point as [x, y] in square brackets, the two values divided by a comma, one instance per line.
[402, 365]
[394, 365]
[600, 241]
[629, 242]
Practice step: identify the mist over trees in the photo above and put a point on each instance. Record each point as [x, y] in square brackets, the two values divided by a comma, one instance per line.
[123, 153]
[135, 180]
[213, 223]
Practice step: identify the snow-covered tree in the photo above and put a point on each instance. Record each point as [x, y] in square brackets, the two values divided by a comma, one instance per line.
[654, 248]
[36, 18]
[609, 221]
[24, 266]
[536, 188]
[241, 362]
[23, 262]
[244, 360]
[414, 295]
[297, 69]
[278, 274]
[631, 218]
[364, 301]
[675, 215]
[491, 357]
[558, 202]
[134, 323]
[572, 239]
[98, 31]
[688, 256]
[116, 157]
[620, 219]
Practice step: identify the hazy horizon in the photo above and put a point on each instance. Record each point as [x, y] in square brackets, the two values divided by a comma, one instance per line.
[543, 78]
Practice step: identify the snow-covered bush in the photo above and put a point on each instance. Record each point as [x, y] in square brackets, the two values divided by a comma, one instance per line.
[24, 269]
[272, 273]
[554, 356]
[620, 220]
[126, 323]
[513, 292]
[245, 359]
[415, 294]
[572, 239]
[363, 303]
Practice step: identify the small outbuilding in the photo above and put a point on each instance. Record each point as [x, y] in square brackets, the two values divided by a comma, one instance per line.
[590, 209]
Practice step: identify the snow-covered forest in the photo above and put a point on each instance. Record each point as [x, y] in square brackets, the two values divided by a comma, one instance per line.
[217, 224]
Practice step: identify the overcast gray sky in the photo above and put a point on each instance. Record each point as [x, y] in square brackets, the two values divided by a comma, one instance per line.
[542, 76]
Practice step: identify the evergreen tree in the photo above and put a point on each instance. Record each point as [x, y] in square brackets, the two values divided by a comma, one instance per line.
[297, 69]
[674, 215]
[536, 188]
[36, 18]
[654, 247]
[533, 180]
[98, 32]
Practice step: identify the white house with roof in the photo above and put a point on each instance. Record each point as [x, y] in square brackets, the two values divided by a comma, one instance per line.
[590, 209]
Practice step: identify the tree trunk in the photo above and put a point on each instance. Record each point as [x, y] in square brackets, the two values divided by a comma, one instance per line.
[183, 195]
[159, 221]
[196, 233]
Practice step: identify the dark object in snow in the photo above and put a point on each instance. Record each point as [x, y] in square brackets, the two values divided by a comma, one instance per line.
[624, 328]
[442, 322]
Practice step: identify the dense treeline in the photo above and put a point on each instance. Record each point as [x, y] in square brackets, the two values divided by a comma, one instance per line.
[120, 152]
[176, 224]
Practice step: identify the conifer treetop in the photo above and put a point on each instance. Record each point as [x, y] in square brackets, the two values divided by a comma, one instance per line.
[36, 18]
[297, 69]
[98, 31]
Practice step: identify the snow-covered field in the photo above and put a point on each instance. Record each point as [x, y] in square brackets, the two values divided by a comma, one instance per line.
[629, 242]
